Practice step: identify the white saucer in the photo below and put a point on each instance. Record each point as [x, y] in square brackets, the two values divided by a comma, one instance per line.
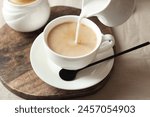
[48, 71]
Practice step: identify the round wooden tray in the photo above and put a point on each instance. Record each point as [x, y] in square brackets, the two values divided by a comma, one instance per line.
[16, 72]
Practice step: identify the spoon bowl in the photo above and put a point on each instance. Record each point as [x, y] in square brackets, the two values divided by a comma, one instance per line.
[68, 75]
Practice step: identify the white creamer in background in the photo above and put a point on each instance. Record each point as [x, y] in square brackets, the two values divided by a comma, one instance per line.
[28, 17]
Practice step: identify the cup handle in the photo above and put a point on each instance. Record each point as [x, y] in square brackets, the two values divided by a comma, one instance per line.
[108, 42]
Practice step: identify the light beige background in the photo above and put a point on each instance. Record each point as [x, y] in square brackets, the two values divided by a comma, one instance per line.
[130, 77]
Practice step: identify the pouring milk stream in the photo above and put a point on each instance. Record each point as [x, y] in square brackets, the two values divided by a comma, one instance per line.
[110, 12]
[89, 8]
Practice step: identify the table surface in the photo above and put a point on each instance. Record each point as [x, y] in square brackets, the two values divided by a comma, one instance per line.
[130, 77]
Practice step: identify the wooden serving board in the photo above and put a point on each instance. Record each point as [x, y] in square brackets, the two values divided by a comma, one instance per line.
[16, 72]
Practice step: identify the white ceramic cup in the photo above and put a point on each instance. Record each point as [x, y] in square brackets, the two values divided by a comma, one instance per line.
[104, 42]
[27, 17]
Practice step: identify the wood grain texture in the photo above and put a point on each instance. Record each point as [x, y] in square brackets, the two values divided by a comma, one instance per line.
[16, 72]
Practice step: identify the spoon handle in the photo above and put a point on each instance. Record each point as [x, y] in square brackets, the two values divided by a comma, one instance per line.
[119, 54]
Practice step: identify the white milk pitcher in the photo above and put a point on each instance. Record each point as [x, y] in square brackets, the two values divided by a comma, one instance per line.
[109, 12]
[26, 17]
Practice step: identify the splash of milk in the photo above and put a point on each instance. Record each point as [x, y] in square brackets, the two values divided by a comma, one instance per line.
[90, 8]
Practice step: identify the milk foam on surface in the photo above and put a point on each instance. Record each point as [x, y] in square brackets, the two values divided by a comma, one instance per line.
[61, 40]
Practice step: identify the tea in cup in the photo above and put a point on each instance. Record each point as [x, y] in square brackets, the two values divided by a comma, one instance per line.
[61, 40]
[60, 46]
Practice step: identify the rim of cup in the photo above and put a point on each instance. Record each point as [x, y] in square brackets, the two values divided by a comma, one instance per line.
[52, 24]
[34, 3]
